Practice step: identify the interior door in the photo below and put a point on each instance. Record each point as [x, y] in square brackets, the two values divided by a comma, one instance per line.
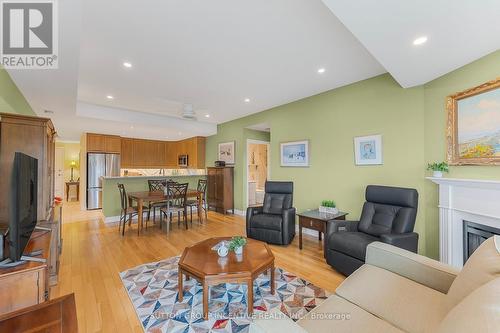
[59, 173]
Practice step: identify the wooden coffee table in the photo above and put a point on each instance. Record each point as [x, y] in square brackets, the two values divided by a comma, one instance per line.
[204, 264]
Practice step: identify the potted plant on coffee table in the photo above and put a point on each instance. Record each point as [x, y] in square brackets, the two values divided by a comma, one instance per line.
[438, 168]
[328, 206]
[236, 244]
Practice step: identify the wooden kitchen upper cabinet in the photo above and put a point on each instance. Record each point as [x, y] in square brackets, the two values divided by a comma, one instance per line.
[171, 152]
[196, 152]
[127, 153]
[101, 143]
[112, 144]
[96, 142]
[142, 154]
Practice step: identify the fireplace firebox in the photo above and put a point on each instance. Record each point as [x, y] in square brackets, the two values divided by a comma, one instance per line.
[474, 235]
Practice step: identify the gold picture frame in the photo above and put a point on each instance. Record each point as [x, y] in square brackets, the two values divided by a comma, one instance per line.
[473, 151]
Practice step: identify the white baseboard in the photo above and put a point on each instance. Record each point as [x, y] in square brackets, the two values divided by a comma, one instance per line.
[239, 212]
[306, 231]
[111, 219]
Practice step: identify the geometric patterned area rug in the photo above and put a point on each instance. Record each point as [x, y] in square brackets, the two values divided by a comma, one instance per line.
[153, 291]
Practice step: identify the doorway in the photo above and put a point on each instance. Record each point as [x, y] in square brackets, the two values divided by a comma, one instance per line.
[258, 170]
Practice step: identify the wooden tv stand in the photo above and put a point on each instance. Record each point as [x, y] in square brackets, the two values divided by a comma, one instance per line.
[27, 284]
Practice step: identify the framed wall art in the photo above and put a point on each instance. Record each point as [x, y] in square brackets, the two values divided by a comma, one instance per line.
[226, 152]
[473, 126]
[295, 154]
[368, 150]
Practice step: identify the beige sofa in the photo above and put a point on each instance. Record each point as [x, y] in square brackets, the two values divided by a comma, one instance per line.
[399, 291]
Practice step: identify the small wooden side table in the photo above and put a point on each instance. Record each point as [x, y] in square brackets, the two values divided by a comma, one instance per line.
[77, 184]
[313, 219]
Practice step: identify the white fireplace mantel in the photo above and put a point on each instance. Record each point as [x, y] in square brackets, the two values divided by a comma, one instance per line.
[474, 200]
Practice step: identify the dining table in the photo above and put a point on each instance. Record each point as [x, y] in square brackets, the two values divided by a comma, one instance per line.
[143, 197]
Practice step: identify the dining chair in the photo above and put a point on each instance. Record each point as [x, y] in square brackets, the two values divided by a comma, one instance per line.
[156, 185]
[127, 210]
[202, 190]
[176, 203]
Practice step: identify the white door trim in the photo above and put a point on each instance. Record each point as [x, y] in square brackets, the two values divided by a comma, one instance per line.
[59, 178]
[245, 179]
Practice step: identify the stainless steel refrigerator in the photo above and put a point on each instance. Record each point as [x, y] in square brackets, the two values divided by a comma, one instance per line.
[99, 166]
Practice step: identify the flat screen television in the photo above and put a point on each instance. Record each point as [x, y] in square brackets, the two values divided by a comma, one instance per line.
[23, 214]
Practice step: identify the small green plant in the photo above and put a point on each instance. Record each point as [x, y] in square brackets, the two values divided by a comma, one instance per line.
[443, 167]
[328, 203]
[237, 241]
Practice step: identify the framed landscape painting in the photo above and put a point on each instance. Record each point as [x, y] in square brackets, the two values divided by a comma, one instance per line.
[226, 152]
[473, 127]
[295, 154]
[368, 150]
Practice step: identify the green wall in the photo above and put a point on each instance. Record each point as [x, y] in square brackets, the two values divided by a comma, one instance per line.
[412, 122]
[471, 75]
[11, 99]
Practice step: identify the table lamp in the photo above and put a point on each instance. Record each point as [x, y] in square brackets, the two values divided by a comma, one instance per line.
[73, 164]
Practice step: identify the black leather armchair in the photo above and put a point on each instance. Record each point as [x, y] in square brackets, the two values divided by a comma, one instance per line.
[274, 222]
[388, 216]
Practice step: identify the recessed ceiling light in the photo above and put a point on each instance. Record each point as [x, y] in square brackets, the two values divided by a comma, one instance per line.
[109, 97]
[247, 100]
[127, 64]
[131, 127]
[207, 116]
[321, 70]
[420, 40]
[180, 133]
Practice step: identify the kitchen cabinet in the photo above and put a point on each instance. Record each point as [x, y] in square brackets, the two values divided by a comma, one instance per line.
[112, 144]
[171, 153]
[127, 153]
[142, 154]
[96, 142]
[100, 143]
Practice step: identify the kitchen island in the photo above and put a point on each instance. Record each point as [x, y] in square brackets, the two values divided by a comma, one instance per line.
[111, 196]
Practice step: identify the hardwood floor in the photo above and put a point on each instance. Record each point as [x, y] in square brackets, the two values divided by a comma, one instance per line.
[94, 253]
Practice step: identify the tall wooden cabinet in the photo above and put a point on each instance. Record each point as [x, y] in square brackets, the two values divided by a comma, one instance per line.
[29, 284]
[35, 137]
[220, 189]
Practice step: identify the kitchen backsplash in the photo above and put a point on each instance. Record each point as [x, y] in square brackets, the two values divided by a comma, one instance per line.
[162, 172]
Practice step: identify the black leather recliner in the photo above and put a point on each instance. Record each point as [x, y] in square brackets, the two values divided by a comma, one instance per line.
[274, 222]
[388, 216]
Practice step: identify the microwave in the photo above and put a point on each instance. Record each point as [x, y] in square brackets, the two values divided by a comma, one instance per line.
[183, 161]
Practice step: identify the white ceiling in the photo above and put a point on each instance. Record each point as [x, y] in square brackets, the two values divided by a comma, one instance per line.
[214, 54]
[458, 31]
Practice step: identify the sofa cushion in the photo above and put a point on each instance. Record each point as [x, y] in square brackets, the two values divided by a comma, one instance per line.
[477, 312]
[351, 243]
[337, 315]
[482, 267]
[408, 305]
[266, 221]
